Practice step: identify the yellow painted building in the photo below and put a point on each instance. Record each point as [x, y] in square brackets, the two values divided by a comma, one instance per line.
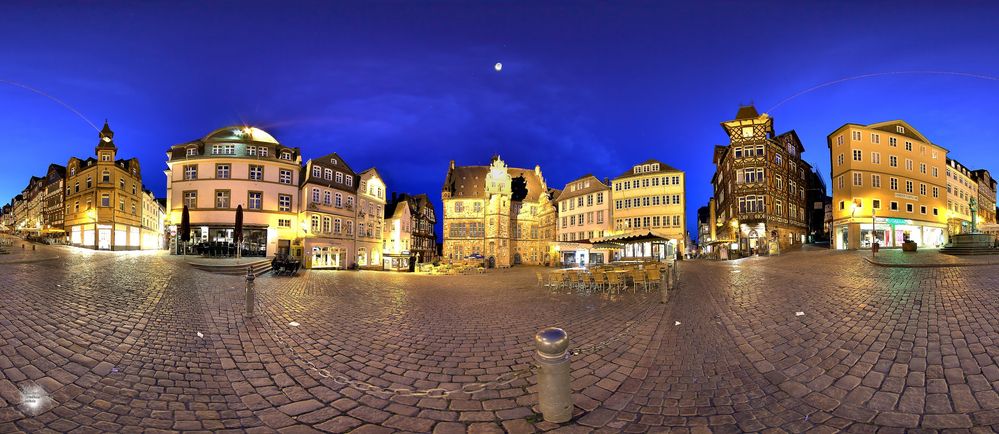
[889, 177]
[104, 199]
[961, 189]
[650, 197]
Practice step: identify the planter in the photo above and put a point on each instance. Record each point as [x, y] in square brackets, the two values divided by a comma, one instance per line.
[909, 246]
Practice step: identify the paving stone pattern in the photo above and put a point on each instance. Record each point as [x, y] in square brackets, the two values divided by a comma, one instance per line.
[113, 339]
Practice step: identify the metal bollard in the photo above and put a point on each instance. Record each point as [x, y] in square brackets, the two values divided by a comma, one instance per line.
[32, 247]
[664, 285]
[554, 392]
[250, 296]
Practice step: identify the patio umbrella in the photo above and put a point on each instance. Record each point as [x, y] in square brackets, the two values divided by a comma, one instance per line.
[237, 234]
[185, 227]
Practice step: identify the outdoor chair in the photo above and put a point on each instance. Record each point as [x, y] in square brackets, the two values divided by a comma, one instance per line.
[640, 279]
[541, 280]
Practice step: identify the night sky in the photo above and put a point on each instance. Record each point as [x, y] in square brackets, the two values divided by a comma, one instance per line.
[408, 86]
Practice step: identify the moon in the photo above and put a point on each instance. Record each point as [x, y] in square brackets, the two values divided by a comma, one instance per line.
[498, 66]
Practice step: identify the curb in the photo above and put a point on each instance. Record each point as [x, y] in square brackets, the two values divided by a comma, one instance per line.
[887, 265]
[28, 261]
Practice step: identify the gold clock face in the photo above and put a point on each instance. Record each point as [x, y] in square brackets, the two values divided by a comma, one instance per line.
[106, 139]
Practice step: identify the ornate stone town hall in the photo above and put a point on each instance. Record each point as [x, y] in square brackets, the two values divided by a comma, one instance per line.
[504, 214]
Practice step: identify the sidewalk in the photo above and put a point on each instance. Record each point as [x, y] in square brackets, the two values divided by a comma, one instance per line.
[927, 258]
[16, 255]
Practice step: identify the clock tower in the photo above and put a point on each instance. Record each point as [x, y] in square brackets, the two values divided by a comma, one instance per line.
[106, 148]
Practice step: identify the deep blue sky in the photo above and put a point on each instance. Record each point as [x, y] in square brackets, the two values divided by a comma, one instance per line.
[408, 86]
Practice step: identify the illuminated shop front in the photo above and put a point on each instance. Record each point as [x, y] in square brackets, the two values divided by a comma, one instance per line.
[889, 232]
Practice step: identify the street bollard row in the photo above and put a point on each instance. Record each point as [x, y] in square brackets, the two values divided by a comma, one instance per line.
[250, 295]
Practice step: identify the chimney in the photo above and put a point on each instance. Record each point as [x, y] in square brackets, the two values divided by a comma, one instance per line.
[607, 181]
[452, 165]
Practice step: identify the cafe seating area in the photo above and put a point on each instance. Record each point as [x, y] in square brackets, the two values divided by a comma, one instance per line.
[613, 278]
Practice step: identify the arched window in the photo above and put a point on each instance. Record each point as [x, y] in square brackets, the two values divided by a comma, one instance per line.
[315, 224]
[339, 200]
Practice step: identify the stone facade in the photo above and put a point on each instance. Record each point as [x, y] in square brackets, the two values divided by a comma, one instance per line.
[504, 214]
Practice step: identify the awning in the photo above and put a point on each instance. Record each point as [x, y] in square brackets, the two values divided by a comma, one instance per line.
[616, 241]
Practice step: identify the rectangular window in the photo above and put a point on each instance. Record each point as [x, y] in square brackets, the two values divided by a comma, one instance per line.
[936, 192]
[224, 150]
[263, 151]
[857, 154]
[908, 186]
[222, 171]
[284, 176]
[876, 157]
[892, 161]
[876, 204]
[105, 200]
[284, 202]
[256, 200]
[856, 135]
[908, 164]
[876, 181]
[875, 138]
[892, 141]
[922, 168]
[858, 179]
[922, 190]
[908, 207]
[222, 199]
[893, 183]
[893, 206]
[190, 173]
[256, 172]
[191, 199]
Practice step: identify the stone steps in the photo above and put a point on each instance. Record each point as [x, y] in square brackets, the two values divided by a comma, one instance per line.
[969, 251]
[259, 267]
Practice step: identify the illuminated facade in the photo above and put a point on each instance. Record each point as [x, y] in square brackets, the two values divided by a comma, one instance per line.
[104, 199]
[504, 214]
[328, 213]
[650, 197]
[759, 185]
[397, 237]
[986, 196]
[961, 189]
[584, 214]
[889, 176]
[422, 245]
[370, 219]
[53, 213]
[153, 222]
[232, 166]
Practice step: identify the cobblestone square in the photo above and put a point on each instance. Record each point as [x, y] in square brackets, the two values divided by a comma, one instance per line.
[141, 342]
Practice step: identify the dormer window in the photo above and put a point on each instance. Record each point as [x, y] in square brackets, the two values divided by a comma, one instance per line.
[900, 129]
[655, 167]
[105, 157]
[192, 151]
[333, 161]
[285, 155]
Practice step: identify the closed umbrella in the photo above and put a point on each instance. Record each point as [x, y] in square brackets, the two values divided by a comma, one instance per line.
[185, 227]
[237, 235]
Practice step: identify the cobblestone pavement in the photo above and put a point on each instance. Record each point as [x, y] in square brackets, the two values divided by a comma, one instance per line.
[927, 257]
[132, 342]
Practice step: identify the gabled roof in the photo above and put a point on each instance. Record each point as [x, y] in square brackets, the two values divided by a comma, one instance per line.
[468, 182]
[595, 185]
[334, 162]
[663, 168]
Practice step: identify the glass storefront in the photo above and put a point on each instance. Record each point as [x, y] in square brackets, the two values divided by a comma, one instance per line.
[888, 235]
[328, 257]
[218, 242]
